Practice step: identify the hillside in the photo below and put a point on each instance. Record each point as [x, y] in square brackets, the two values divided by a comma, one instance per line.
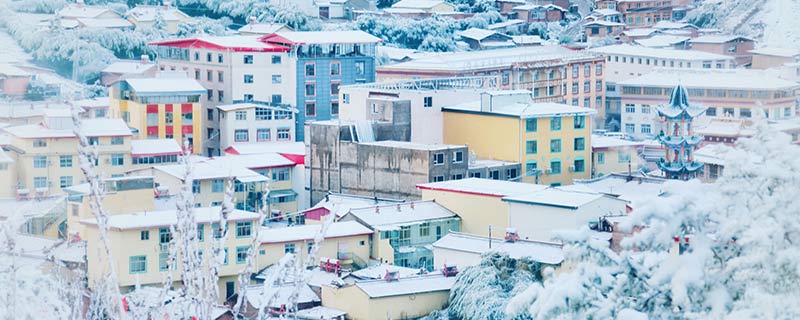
[772, 22]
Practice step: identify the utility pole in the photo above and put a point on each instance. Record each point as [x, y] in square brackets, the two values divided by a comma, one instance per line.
[490, 236]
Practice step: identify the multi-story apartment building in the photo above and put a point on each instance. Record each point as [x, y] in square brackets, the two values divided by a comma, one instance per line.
[161, 108]
[249, 122]
[510, 126]
[552, 73]
[624, 61]
[300, 69]
[729, 45]
[46, 157]
[726, 93]
[640, 13]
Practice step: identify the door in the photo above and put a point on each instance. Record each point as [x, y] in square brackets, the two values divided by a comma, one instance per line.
[230, 289]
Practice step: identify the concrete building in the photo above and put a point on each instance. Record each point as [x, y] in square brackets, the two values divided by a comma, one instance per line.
[493, 169]
[254, 28]
[726, 93]
[14, 81]
[249, 122]
[404, 232]
[124, 69]
[344, 242]
[507, 125]
[478, 39]
[466, 250]
[161, 108]
[626, 61]
[540, 13]
[773, 57]
[148, 152]
[612, 155]
[640, 13]
[602, 29]
[143, 16]
[339, 205]
[736, 46]
[8, 175]
[422, 6]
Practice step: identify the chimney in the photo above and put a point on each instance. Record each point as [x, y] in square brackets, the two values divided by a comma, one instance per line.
[145, 58]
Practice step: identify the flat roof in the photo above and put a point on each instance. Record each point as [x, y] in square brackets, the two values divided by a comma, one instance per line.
[239, 43]
[718, 38]
[740, 79]
[161, 86]
[154, 147]
[562, 197]
[406, 286]
[262, 28]
[149, 13]
[484, 187]
[418, 4]
[340, 204]
[129, 66]
[392, 216]
[166, 218]
[777, 52]
[310, 232]
[523, 110]
[714, 153]
[544, 252]
[75, 10]
[611, 142]
[412, 145]
[105, 22]
[631, 50]
[205, 169]
[320, 37]
[636, 189]
[95, 127]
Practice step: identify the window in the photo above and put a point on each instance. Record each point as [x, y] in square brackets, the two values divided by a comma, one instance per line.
[95, 141]
[601, 158]
[646, 108]
[579, 165]
[598, 69]
[311, 69]
[263, 114]
[587, 70]
[712, 112]
[201, 234]
[288, 248]
[65, 161]
[727, 111]
[243, 229]
[427, 102]
[248, 59]
[787, 112]
[334, 107]
[311, 109]
[241, 254]
[630, 108]
[360, 67]
[168, 118]
[217, 185]
[586, 102]
[248, 78]
[209, 75]
[624, 156]
[458, 156]
[40, 182]
[531, 124]
[208, 57]
[645, 128]
[241, 115]
[137, 264]
[197, 56]
[424, 229]
[494, 174]
[531, 166]
[745, 113]
[40, 161]
[284, 134]
[457, 177]
[438, 178]
[197, 74]
[598, 85]
[336, 69]
[579, 122]
[630, 127]
[555, 166]
[196, 186]
[219, 58]
[311, 89]
[262, 134]
[475, 174]
[39, 143]
[587, 86]
[277, 99]
[531, 147]
[580, 144]
[163, 261]
[506, 79]
[276, 59]
[555, 145]
[276, 79]
[555, 123]
[241, 135]
[117, 159]
[334, 88]
[575, 87]
[164, 236]
[281, 174]
[438, 158]
[65, 181]
[575, 70]
[511, 173]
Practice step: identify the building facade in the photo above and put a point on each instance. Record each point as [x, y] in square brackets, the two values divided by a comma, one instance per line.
[244, 123]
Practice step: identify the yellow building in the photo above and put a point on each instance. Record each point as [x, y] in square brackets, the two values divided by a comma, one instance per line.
[45, 156]
[345, 242]
[161, 108]
[405, 298]
[551, 140]
[613, 155]
[8, 174]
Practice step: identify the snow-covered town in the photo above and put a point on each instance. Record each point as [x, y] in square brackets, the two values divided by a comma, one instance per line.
[380, 159]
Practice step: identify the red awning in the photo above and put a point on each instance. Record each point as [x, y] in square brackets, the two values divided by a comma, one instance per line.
[296, 158]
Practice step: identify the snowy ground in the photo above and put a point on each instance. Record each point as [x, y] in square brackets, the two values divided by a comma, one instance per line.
[11, 52]
[771, 22]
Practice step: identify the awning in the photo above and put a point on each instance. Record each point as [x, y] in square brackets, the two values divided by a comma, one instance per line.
[282, 193]
[253, 178]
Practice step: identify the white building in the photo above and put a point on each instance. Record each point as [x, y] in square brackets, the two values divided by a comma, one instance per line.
[244, 123]
[464, 250]
[626, 61]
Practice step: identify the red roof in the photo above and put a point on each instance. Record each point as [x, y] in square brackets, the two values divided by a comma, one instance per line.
[257, 46]
[231, 150]
[296, 158]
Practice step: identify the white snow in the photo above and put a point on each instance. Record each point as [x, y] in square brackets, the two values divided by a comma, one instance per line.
[98, 127]
[406, 286]
[324, 37]
[390, 216]
[156, 86]
[129, 67]
[379, 272]
[557, 197]
[477, 60]
[740, 79]
[294, 148]
[147, 147]
[599, 142]
[341, 204]
[636, 189]
[166, 218]
[105, 23]
[316, 313]
[262, 28]
[777, 51]
[308, 232]
[658, 53]
[258, 296]
[524, 109]
[717, 38]
[149, 13]
[539, 251]
[487, 187]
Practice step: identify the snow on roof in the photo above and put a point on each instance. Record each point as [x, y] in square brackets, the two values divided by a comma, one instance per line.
[99, 102]
[165, 86]
[310, 231]
[664, 24]
[320, 313]
[166, 218]
[97, 127]
[661, 41]
[605, 12]
[379, 271]
[487, 163]
[605, 23]
[149, 13]
[263, 28]
[13, 71]
[778, 52]
[129, 67]
[524, 110]
[298, 148]
[526, 39]
[507, 23]
[529, 7]
[71, 251]
[340, 204]
[151, 147]
[406, 286]
[259, 295]
[403, 10]
[105, 23]
[33, 246]
[711, 79]
[539, 251]
[4, 157]
[244, 43]
[599, 142]
[417, 4]
[635, 189]
[718, 38]
[630, 50]
[489, 59]
[81, 11]
[31, 208]
[412, 145]
[562, 197]
[254, 161]
[476, 33]
[640, 32]
[730, 127]
[206, 169]
[391, 216]
[713, 153]
[321, 37]
[485, 187]
[246, 105]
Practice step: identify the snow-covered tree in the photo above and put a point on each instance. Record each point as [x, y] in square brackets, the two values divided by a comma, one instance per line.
[741, 262]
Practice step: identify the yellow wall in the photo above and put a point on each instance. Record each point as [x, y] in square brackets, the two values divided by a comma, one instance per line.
[328, 249]
[611, 162]
[490, 137]
[381, 249]
[477, 212]
[137, 118]
[8, 179]
[359, 306]
[113, 203]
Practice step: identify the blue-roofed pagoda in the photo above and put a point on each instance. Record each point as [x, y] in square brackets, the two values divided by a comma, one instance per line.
[678, 141]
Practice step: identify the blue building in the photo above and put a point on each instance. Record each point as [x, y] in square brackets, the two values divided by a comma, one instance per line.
[324, 62]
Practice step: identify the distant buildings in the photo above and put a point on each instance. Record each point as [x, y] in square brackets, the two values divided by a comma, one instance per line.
[466, 250]
[736, 46]
[346, 243]
[772, 57]
[14, 81]
[613, 155]
[169, 17]
[123, 69]
[626, 61]
[248, 122]
[640, 13]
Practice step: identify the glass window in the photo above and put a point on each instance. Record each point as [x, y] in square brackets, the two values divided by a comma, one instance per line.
[334, 88]
[277, 99]
[65, 181]
[531, 124]
[40, 161]
[137, 264]
[117, 159]
[630, 127]
[65, 161]
[630, 108]
[311, 109]
[144, 235]
[438, 158]
[360, 67]
[531, 147]
[311, 89]
[579, 165]
[241, 254]
[284, 134]
[427, 102]
[217, 185]
[645, 128]
[555, 123]
[276, 79]
[281, 174]
[39, 143]
[241, 135]
[241, 115]
[335, 69]
[424, 229]
[458, 156]
[555, 166]
[580, 144]
[311, 69]
[196, 186]
[555, 145]
[334, 107]
[40, 182]
[243, 229]
[248, 59]
[288, 248]
[263, 114]
[163, 261]
[262, 134]
[276, 59]
[579, 122]
[201, 234]
[530, 166]
[601, 158]
[248, 78]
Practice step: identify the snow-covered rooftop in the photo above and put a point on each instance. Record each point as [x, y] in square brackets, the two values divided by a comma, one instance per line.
[636, 189]
[392, 216]
[4, 157]
[662, 40]
[417, 4]
[262, 28]
[321, 37]
[379, 271]
[12, 71]
[277, 147]
[487, 163]
[406, 286]
[165, 86]
[562, 197]
[713, 153]
[718, 38]
[524, 110]
[254, 161]
[97, 127]
[504, 24]
[605, 23]
[777, 52]
[605, 12]
[340, 204]
[527, 39]
[105, 23]
[309, 232]
[166, 218]
[487, 59]
[149, 13]
[99, 102]
[206, 169]
[151, 147]
[486, 187]
[741, 79]
[539, 251]
[236, 43]
[631, 50]
[730, 127]
[129, 67]
[599, 142]
[640, 32]
[259, 295]
[81, 11]
[529, 7]
[412, 145]
[664, 24]
[320, 313]
[476, 33]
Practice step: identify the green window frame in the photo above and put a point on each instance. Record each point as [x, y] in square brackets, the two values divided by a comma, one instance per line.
[580, 164]
[555, 145]
[555, 124]
[601, 158]
[530, 166]
[244, 229]
[623, 156]
[241, 254]
[424, 229]
[164, 235]
[225, 257]
[163, 258]
[137, 264]
[144, 235]
[580, 122]
[555, 166]
[531, 147]
[531, 124]
[579, 144]
[289, 248]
